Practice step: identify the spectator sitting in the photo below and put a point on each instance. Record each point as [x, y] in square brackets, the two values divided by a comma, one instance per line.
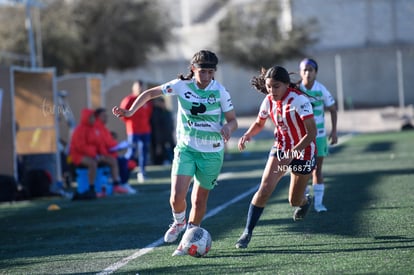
[125, 165]
[111, 144]
[86, 149]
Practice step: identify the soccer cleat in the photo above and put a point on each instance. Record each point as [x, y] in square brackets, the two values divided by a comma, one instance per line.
[179, 251]
[175, 230]
[129, 188]
[120, 189]
[320, 208]
[141, 178]
[301, 211]
[244, 240]
[101, 194]
[88, 195]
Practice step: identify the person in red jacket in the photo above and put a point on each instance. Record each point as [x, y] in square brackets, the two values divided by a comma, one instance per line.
[138, 129]
[111, 143]
[86, 149]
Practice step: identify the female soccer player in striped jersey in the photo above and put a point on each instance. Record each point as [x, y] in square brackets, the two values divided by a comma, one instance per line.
[201, 134]
[294, 148]
[321, 98]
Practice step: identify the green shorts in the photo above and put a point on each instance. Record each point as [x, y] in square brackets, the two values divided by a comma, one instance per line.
[322, 146]
[205, 167]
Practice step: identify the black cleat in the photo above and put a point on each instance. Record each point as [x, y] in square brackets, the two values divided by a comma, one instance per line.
[88, 195]
[301, 211]
[243, 240]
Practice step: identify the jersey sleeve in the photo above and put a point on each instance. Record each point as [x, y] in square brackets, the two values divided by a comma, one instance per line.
[303, 107]
[328, 99]
[225, 101]
[264, 110]
[170, 88]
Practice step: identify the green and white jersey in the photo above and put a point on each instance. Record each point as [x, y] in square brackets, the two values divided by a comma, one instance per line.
[320, 98]
[200, 114]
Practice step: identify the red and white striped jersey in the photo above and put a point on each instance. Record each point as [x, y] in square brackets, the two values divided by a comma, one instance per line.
[288, 115]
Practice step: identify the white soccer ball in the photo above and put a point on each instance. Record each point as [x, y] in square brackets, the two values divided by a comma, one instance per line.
[196, 242]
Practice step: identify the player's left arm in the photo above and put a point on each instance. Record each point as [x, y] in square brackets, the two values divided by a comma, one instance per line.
[229, 114]
[230, 126]
[329, 102]
[333, 136]
[304, 110]
[310, 127]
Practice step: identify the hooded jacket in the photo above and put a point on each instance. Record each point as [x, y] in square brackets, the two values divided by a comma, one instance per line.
[106, 136]
[85, 141]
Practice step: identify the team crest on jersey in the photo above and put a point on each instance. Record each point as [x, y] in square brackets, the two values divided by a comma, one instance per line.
[263, 113]
[280, 123]
[279, 118]
[211, 99]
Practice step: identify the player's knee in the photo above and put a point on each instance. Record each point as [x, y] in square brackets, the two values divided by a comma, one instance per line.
[177, 199]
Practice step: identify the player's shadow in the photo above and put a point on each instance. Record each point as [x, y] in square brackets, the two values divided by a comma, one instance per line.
[345, 202]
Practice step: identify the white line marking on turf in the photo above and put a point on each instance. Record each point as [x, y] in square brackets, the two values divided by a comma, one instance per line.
[115, 266]
[112, 268]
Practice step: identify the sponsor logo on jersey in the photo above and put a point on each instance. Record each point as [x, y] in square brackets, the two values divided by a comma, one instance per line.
[198, 124]
[307, 107]
[198, 108]
[169, 89]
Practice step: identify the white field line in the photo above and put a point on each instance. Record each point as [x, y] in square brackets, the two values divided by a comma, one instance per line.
[115, 266]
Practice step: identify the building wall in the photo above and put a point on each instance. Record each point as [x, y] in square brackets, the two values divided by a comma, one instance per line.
[369, 75]
[366, 34]
[357, 23]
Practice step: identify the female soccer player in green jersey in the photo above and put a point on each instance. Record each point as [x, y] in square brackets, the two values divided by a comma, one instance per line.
[201, 134]
[321, 99]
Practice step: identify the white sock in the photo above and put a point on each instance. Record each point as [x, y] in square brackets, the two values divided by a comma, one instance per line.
[318, 190]
[179, 217]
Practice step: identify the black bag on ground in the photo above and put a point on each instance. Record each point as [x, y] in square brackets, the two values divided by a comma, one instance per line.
[8, 188]
[37, 182]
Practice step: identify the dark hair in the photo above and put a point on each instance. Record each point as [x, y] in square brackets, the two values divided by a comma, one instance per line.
[309, 61]
[99, 111]
[201, 59]
[277, 73]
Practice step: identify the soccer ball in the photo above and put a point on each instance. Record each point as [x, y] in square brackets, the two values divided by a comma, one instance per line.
[196, 242]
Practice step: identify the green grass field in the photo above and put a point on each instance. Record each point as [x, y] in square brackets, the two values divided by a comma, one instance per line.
[368, 229]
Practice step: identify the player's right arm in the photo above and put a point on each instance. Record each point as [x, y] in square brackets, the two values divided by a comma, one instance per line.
[143, 98]
[257, 126]
[253, 130]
